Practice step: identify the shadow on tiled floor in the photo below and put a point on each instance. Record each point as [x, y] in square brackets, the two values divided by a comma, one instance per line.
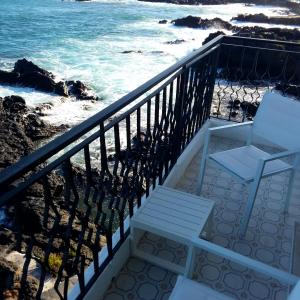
[141, 280]
[268, 239]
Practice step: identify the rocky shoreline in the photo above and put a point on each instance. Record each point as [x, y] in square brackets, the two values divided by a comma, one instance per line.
[261, 18]
[27, 74]
[251, 31]
[21, 128]
[292, 6]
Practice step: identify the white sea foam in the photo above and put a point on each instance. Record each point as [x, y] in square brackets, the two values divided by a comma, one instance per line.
[98, 61]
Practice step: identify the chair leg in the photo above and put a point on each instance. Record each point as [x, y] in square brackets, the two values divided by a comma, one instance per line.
[289, 192]
[189, 267]
[201, 176]
[249, 206]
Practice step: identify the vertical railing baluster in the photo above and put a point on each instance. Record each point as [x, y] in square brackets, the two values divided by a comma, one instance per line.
[138, 123]
[103, 157]
[128, 135]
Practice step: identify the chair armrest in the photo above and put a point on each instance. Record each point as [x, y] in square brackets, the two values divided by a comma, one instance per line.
[219, 128]
[282, 155]
[231, 126]
[250, 263]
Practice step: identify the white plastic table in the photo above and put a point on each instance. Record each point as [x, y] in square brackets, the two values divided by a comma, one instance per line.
[174, 215]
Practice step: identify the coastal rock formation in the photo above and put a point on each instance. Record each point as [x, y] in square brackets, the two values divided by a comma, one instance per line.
[212, 35]
[27, 74]
[249, 31]
[289, 89]
[198, 22]
[176, 42]
[79, 90]
[291, 5]
[19, 129]
[29, 214]
[261, 18]
[282, 34]
[131, 51]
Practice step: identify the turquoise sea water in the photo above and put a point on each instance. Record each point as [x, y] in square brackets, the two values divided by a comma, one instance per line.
[85, 41]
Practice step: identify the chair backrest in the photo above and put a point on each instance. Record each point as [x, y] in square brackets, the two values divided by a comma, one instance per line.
[278, 120]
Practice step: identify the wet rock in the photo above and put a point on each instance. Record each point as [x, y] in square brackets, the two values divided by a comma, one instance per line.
[293, 6]
[7, 278]
[27, 74]
[282, 34]
[14, 103]
[42, 108]
[131, 51]
[261, 18]
[249, 108]
[289, 89]
[235, 104]
[162, 22]
[211, 36]
[9, 77]
[233, 114]
[19, 128]
[156, 52]
[176, 42]
[23, 66]
[30, 288]
[79, 90]
[33, 76]
[7, 238]
[198, 22]
[61, 89]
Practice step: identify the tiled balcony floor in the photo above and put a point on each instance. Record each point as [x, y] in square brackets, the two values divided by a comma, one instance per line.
[268, 239]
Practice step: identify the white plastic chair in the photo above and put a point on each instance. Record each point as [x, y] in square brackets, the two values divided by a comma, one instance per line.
[278, 121]
[188, 289]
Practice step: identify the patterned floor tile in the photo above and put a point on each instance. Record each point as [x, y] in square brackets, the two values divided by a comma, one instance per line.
[139, 280]
[268, 239]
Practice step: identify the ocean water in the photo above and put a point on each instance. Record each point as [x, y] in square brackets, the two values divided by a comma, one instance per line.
[85, 40]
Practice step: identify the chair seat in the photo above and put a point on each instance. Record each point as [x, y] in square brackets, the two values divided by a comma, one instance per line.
[243, 162]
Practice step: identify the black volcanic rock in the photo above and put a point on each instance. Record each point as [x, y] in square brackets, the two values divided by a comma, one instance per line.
[9, 77]
[79, 90]
[19, 128]
[261, 18]
[282, 34]
[27, 74]
[198, 22]
[131, 51]
[292, 6]
[289, 89]
[162, 22]
[14, 104]
[23, 66]
[212, 35]
[176, 42]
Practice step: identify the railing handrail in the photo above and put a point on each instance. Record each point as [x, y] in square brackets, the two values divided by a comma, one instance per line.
[141, 137]
[262, 48]
[258, 40]
[29, 162]
[39, 156]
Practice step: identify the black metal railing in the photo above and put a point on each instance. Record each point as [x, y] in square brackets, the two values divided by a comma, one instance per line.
[63, 202]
